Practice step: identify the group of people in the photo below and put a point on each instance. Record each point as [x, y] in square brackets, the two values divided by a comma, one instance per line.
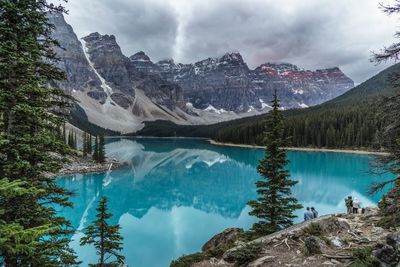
[310, 214]
[352, 205]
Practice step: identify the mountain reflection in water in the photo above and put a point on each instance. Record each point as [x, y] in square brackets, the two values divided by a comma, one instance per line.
[174, 194]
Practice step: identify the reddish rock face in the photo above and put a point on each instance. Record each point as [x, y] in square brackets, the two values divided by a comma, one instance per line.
[227, 83]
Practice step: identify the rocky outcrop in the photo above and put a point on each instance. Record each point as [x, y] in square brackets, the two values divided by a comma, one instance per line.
[388, 251]
[226, 237]
[87, 165]
[122, 100]
[333, 240]
[143, 63]
[390, 207]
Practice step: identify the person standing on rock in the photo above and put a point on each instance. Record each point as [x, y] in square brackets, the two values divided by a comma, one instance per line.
[308, 215]
[356, 205]
[314, 212]
[349, 204]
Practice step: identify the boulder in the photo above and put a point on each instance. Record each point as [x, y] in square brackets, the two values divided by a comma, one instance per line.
[313, 245]
[98, 95]
[227, 236]
[122, 100]
[388, 252]
[333, 224]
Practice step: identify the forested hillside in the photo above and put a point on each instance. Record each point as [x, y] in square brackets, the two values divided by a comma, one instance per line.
[349, 120]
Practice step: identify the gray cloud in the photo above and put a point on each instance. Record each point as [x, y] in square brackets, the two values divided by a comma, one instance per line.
[311, 34]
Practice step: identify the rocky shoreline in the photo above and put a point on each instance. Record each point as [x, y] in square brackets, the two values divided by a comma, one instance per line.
[79, 165]
[332, 240]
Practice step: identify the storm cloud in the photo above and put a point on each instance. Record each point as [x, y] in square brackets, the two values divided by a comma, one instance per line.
[312, 34]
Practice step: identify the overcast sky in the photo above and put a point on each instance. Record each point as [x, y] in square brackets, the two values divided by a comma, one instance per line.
[309, 33]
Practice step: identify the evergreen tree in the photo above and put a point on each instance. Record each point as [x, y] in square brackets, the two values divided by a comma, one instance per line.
[90, 144]
[389, 114]
[13, 235]
[75, 141]
[30, 114]
[64, 132]
[84, 144]
[70, 141]
[96, 149]
[274, 205]
[101, 149]
[105, 238]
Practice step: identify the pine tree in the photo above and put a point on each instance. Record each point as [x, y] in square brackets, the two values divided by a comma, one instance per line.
[390, 135]
[84, 144]
[30, 113]
[75, 141]
[70, 139]
[105, 238]
[13, 235]
[390, 106]
[101, 149]
[96, 149]
[275, 205]
[90, 144]
[64, 132]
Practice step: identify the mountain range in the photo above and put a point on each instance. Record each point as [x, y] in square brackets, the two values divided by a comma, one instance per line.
[120, 93]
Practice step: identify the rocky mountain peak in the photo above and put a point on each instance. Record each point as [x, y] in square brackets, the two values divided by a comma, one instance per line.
[169, 61]
[106, 57]
[96, 35]
[139, 56]
[166, 65]
[277, 68]
[232, 57]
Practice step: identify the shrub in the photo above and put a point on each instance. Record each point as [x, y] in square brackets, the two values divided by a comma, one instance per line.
[188, 260]
[219, 250]
[363, 258]
[312, 246]
[390, 220]
[246, 254]
[314, 229]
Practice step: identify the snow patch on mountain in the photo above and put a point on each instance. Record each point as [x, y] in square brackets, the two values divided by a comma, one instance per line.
[263, 104]
[107, 89]
[302, 105]
[213, 109]
[298, 92]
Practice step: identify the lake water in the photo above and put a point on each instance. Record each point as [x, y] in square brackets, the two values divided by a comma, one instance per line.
[175, 194]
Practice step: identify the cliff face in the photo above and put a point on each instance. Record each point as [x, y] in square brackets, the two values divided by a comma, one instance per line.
[80, 75]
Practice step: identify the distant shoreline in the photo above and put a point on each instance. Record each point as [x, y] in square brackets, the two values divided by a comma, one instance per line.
[349, 151]
[155, 137]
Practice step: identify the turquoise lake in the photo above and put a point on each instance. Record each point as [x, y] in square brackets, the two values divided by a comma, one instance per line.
[175, 194]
